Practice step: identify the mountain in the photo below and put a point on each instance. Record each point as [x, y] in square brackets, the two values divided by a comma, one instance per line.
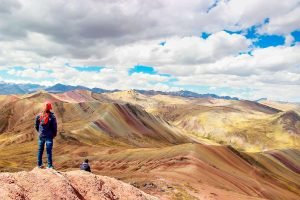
[189, 171]
[29, 88]
[237, 123]
[59, 88]
[7, 88]
[261, 100]
[141, 120]
[290, 122]
[100, 90]
[284, 106]
[82, 114]
[185, 93]
[12, 88]
[170, 147]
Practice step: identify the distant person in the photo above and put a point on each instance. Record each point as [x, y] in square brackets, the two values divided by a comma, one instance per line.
[85, 166]
[46, 125]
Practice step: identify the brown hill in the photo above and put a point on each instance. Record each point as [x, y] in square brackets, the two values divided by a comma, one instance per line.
[188, 171]
[195, 171]
[284, 106]
[42, 184]
[151, 145]
[243, 124]
[90, 121]
[290, 122]
[258, 107]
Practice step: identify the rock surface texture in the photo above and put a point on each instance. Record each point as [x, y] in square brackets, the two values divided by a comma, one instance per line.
[50, 184]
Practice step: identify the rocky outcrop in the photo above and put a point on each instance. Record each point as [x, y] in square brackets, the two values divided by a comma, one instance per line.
[290, 122]
[50, 184]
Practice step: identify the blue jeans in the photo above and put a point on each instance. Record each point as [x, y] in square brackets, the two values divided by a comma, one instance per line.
[49, 145]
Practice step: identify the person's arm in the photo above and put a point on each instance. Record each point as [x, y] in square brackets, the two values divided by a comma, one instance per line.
[88, 168]
[37, 123]
[54, 126]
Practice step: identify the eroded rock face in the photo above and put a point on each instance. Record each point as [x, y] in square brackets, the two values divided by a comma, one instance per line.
[50, 184]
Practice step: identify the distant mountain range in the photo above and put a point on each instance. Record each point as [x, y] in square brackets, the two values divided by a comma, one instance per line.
[13, 88]
[59, 88]
[185, 93]
[261, 99]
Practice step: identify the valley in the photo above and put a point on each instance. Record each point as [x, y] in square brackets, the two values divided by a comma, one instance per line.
[168, 146]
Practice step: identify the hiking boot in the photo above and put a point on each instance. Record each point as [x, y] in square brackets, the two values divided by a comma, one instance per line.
[50, 167]
[41, 166]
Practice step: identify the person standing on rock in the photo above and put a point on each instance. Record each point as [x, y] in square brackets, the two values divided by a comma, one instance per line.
[46, 126]
[85, 166]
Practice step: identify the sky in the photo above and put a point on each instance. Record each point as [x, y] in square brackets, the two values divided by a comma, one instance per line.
[244, 48]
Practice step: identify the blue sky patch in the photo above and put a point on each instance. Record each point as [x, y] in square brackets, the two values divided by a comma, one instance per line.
[264, 41]
[251, 32]
[89, 68]
[233, 32]
[162, 43]
[205, 35]
[146, 70]
[166, 75]
[19, 68]
[296, 35]
[142, 69]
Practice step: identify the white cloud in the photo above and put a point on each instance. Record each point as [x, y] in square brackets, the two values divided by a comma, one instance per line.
[278, 92]
[179, 52]
[30, 73]
[34, 32]
[118, 34]
[215, 62]
[250, 87]
[106, 78]
[268, 59]
[289, 39]
[237, 14]
[283, 24]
